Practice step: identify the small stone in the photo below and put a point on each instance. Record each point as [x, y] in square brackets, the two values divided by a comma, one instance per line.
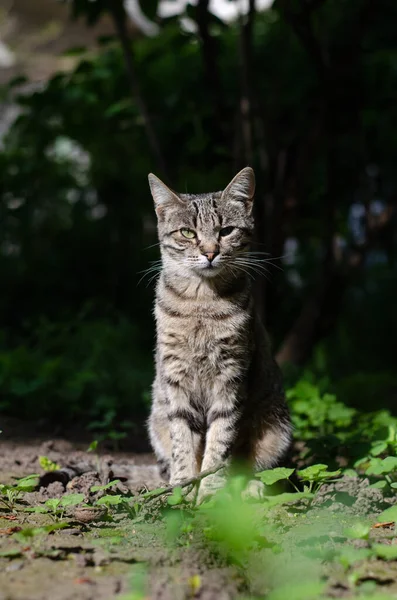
[88, 514]
[14, 566]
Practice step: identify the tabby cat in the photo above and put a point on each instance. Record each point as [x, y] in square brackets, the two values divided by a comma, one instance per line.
[217, 393]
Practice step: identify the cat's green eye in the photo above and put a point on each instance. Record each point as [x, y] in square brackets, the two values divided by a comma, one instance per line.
[188, 233]
[226, 231]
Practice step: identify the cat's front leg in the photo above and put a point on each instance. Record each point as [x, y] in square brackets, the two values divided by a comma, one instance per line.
[185, 438]
[221, 432]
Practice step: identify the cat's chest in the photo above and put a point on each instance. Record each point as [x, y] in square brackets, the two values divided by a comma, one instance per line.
[195, 336]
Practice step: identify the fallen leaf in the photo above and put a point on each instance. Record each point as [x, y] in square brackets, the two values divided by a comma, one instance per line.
[81, 580]
[9, 517]
[385, 525]
[10, 530]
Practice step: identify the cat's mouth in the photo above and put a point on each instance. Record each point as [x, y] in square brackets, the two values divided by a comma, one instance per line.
[210, 269]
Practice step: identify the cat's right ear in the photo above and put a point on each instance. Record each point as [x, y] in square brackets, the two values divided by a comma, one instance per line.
[162, 195]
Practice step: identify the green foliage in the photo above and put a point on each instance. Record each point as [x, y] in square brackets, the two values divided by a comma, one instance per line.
[76, 214]
[56, 507]
[359, 530]
[273, 475]
[10, 494]
[110, 500]
[107, 486]
[76, 369]
[48, 465]
[315, 413]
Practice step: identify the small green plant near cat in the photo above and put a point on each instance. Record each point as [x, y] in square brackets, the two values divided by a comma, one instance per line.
[316, 475]
[381, 461]
[56, 507]
[33, 536]
[313, 478]
[317, 414]
[93, 449]
[48, 465]
[10, 494]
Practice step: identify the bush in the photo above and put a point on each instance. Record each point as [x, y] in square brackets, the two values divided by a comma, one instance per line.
[76, 369]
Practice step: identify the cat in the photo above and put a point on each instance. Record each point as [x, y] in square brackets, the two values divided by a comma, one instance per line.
[217, 393]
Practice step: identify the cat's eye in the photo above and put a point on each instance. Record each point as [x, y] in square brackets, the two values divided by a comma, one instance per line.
[226, 231]
[188, 233]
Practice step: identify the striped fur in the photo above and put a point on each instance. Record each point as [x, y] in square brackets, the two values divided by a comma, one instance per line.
[217, 393]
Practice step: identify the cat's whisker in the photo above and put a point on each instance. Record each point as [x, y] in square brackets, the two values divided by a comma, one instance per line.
[238, 268]
[153, 269]
[252, 256]
[247, 267]
[153, 246]
[256, 268]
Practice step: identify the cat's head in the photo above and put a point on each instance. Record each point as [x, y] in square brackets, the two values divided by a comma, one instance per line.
[205, 233]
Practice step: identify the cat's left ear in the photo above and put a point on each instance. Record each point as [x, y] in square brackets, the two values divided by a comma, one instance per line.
[242, 188]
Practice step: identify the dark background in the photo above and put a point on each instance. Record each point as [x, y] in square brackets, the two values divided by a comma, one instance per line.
[305, 92]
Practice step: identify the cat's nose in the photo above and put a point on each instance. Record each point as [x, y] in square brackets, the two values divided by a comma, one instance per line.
[210, 255]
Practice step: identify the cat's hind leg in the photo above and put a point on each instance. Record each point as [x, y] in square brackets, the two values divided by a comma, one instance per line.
[271, 445]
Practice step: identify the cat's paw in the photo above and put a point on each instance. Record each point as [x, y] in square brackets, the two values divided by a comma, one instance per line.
[255, 490]
[209, 486]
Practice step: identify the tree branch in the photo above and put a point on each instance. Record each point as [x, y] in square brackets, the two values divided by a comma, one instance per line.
[119, 19]
[246, 30]
[188, 482]
[209, 53]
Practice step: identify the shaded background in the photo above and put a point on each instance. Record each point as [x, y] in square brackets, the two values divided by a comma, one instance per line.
[97, 93]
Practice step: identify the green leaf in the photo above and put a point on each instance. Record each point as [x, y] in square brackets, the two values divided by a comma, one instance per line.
[388, 515]
[53, 503]
[48, 465]
[349, 555]
[12, 553]
[385, 552]
[152, 493]
[176, 497]
[100, 488]
[382, 467]
[110, 500]
[271, 476]
[31, 532]
[380, 485]
[93, 446]
[317, 473]
[378, 448]
[72, 499]
[350, 473]
[311, 473]
[27, 484]
[359, 530]
[37, 509]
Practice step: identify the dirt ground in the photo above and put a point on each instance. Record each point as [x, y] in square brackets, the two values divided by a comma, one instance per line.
[95, 558]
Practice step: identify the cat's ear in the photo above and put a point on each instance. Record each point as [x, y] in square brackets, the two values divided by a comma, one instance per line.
[242, 188]
[162, 195]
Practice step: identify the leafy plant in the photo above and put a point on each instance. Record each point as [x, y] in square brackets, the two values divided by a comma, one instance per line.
[56, 507]
[48, 465]
[316, 475]
[10, 494]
